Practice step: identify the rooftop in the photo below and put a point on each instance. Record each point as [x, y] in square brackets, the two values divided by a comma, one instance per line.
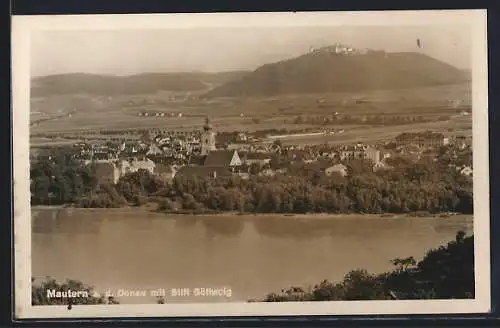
[203, 171]
[219, 158]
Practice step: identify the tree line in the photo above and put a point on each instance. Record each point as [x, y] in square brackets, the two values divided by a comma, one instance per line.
[365, 119]
[57, 178]
[427, 185]
[417, 187]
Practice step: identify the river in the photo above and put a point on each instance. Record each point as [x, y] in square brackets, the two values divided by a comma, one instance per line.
[136, 250]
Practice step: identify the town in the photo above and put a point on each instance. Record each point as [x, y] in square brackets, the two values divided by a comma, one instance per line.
[200, 153]
[205, 154]
[315, 159]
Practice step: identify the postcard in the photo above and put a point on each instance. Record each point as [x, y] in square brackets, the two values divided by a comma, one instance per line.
[251, 164]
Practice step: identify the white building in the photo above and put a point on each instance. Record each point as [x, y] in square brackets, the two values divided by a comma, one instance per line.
[147, 165]
[338, 168]
[154, 150]
[372, 154]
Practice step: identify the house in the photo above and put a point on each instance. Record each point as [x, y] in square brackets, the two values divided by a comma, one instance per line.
[242, 136]
[410, 150]
[154, 150]
[298, 155]
[372, 154]
[310, 160]
[381, 166]
[210, 172]
[338, 168]
[281, 171]
[242, 146]
[128, 147]
[165, 172]
[328, 154]
[387, 154]
[267, 173]
[422, 139]
[101, 155]
[123, 167]
[276, 148]
[223, 158]
[138, 156]
[351, 153]
[261, 159]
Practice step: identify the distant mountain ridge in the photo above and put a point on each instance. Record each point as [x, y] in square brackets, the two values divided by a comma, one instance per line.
[319, 71]
[328, 71]
[132, 84]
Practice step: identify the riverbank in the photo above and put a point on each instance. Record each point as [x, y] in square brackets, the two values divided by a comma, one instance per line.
[317, 216]
[48, 207]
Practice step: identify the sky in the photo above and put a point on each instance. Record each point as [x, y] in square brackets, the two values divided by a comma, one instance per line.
[215, 49]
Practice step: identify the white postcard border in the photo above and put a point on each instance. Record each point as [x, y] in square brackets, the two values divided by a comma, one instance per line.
[23, 26]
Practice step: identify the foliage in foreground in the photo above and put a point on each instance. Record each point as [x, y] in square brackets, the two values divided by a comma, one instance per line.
[39, 295]
[444, 273]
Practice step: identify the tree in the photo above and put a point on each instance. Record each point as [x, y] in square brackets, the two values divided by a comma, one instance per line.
[404, 264]
[58, 178]
[40, 293]
[254, 168]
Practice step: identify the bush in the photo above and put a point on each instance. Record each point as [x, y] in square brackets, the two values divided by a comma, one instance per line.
[165, 204]
[39, 293]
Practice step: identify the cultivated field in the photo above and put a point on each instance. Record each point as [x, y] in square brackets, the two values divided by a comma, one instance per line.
[71, 113]
[372, 134]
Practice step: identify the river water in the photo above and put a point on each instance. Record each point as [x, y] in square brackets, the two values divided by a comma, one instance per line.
[128, 250]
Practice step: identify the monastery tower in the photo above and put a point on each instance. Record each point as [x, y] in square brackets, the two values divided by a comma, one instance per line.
[207, 138]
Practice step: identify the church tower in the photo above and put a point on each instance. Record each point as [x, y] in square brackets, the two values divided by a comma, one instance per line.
[207, 138]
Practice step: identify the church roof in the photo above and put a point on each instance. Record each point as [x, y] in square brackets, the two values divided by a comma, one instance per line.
[197, 160]
[258, 156]
[203, 171]
[219, 158]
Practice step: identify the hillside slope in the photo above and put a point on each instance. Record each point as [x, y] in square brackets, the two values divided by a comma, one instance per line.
[331, 72]
[133, 84]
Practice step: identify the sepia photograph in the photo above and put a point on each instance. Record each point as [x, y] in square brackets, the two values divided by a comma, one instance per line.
[251, 164]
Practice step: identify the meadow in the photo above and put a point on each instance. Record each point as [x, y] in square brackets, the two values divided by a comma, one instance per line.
[440, 107]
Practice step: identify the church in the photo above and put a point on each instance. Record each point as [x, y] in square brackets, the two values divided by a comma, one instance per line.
[228, 159]
[214, 163]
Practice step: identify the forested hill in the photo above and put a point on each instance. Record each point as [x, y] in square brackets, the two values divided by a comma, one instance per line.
[319, 72]
[133, 84]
